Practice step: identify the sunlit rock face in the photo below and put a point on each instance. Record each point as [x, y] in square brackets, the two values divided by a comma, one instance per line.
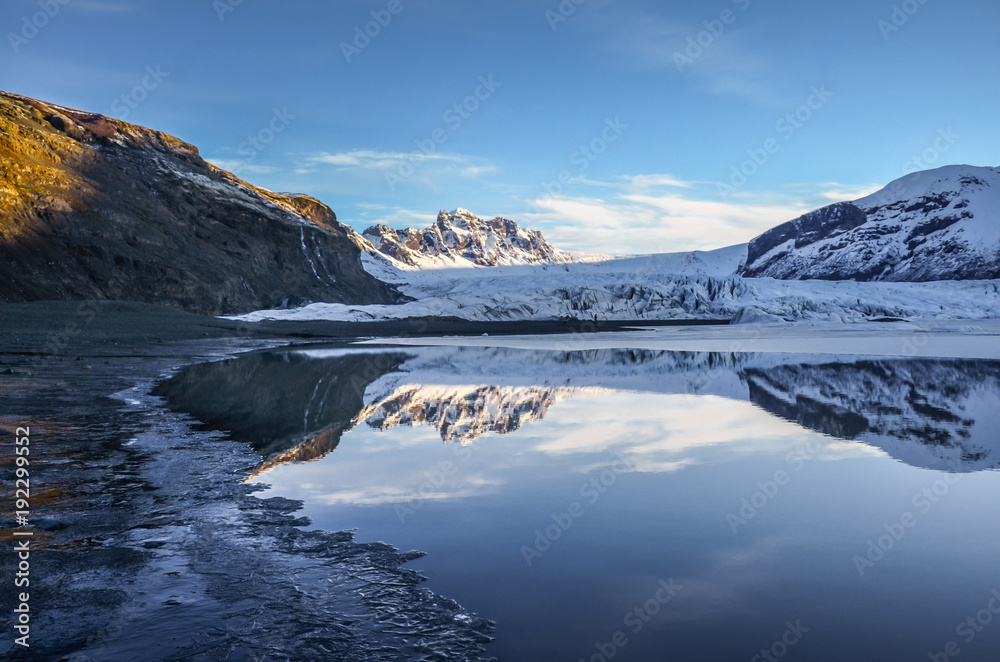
[95, 208]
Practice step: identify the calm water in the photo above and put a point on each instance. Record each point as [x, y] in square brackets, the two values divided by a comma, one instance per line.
[650, 505]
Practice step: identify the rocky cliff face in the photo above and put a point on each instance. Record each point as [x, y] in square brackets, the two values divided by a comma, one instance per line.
[941, 224]
[461, 238]
[95, 208]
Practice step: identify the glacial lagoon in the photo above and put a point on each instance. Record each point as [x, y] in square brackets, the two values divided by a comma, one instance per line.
[648, 505]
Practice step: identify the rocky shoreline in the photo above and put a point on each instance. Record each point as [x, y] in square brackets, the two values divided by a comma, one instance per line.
[148, 545]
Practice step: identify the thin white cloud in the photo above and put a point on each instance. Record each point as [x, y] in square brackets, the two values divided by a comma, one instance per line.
[841, 193]
[438, 172]
[476, 171]
[660, 214]
[657, 213]
[654, 224]
[375, 160]
[648, 181]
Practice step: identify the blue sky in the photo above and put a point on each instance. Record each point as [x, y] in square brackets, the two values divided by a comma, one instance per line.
[611, 125]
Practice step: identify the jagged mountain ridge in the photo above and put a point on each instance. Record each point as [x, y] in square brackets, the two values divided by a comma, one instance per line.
[460, 238]
[941, 224]
[96, 208]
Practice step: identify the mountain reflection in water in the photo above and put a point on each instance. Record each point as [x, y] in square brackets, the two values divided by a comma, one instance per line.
[294, 405]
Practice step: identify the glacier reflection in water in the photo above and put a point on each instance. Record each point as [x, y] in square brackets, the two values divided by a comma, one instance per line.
[571, 487]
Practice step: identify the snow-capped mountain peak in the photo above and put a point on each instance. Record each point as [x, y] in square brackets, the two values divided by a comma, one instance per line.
[941, 224]
[460, 238]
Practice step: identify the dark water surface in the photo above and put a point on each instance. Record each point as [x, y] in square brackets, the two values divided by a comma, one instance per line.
[635, 505]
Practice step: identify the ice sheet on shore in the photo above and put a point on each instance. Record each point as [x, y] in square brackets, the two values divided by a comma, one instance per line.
[930, 339]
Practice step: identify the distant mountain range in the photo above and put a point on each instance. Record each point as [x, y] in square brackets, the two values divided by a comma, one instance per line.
[460, 238]
[941, 224]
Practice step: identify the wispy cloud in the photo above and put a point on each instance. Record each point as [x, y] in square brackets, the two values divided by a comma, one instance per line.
[842, 193]
[647, 181]
[656, 214]
[373, 160]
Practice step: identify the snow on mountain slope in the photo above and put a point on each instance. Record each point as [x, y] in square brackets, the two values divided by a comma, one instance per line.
[462, 239]
[941, 224]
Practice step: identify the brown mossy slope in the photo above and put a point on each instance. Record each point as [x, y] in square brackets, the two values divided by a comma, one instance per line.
[95, 208]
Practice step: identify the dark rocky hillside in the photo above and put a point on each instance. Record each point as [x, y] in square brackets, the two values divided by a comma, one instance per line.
[95, 208]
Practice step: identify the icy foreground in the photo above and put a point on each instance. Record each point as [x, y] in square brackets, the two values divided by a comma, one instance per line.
[926, 339]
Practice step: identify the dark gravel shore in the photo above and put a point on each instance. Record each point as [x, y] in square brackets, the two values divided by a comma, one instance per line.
[97, 328]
